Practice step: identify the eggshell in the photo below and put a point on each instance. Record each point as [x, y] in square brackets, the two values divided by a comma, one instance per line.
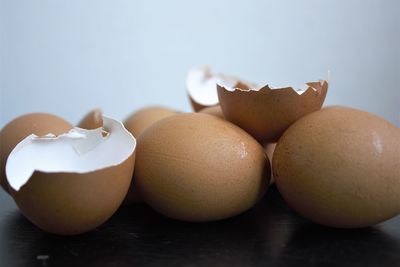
[78, 188]
[201, 87]
[197, 167]
[266, 113]
[21, 127]
[92, 120]
[214, 110]
[340, 167]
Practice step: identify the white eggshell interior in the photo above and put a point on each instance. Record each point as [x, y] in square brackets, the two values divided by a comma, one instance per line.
[201, 85]
[78, 151]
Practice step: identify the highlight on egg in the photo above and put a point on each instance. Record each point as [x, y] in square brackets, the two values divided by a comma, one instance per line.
[266, 112]
[73, 182]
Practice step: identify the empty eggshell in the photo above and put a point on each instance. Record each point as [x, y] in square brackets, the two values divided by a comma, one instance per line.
[19, 128]
[92, 120]
[197, 167]
[201, 86]
[267, 112]
[340, 167]
[72, 183]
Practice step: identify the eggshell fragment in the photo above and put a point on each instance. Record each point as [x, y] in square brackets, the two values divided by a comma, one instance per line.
[19, 128]
[72, 183]
[201, 87]
[340, 167]
[267, 112]
[197, 167]
[92, 120]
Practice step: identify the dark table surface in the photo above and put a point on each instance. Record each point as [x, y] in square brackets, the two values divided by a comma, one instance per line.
[270, 234]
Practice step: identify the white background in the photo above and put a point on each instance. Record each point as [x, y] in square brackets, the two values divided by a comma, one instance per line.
[66, 57]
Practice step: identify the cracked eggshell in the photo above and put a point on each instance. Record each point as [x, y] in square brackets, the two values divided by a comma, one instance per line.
[201, 87]
[92, 120]
[19, 128]
[136, 124]
[340, 167]
[197, 167]
[72, 183]
[267, 112]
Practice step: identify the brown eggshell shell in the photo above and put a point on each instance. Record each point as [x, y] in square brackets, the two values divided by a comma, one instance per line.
[72, 203]
[340, 167]
[92, 120]
[19, 128]
[197, 167]
[266, 113]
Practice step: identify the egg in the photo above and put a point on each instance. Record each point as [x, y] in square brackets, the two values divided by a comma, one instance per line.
[92, 120]
[72, 183]
[21, 127]
[340, 167]
[267, 112]
[197, 167]
[136, 123]
[214, 110]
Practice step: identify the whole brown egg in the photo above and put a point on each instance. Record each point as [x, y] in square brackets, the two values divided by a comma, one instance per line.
[340, 167]
[197, 167]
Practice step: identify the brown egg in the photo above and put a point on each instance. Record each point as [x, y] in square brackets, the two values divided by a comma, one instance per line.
[143, 118]
[92, 120]
[215, 111]
[136, 124]
[197, 167]
[340, 167]
[71, 191]
[266, 113]
[21, 127]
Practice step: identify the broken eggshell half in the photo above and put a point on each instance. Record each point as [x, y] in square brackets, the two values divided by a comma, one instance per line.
[267, 112]
[16, 130]
[201, 86]
[72, 183]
